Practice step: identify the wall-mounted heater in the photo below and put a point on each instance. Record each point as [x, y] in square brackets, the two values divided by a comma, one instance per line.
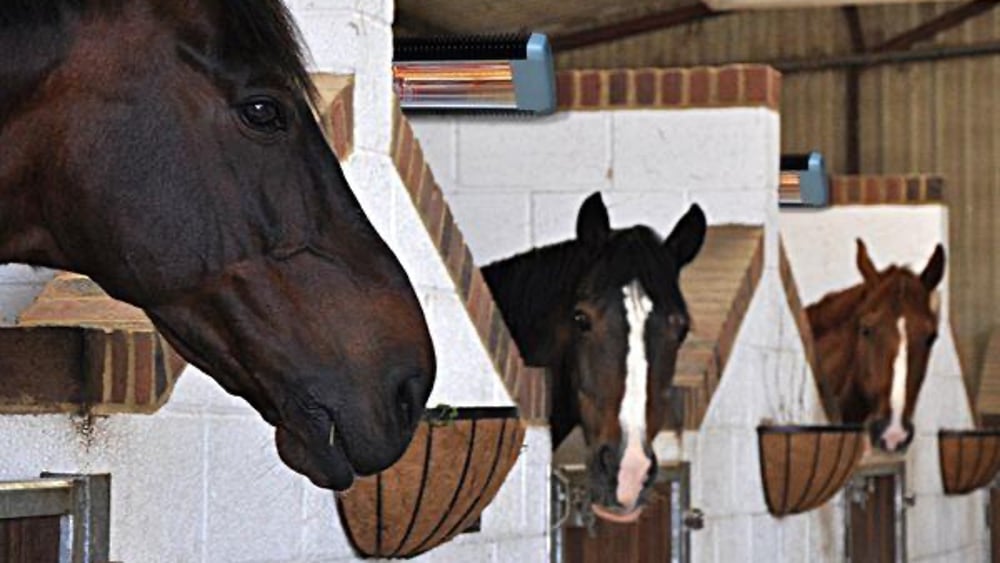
[803, 180]
[512, 73]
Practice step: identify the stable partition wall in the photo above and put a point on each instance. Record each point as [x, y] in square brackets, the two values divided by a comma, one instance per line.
[200, 479]
[653, 141]
[901, 218]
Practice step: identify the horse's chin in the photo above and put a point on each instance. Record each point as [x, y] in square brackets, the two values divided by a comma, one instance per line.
[615, 515]
[328, 469]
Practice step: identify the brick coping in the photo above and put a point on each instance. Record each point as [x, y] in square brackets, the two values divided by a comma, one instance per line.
[739, 85]
[887, 189]
[74, 349]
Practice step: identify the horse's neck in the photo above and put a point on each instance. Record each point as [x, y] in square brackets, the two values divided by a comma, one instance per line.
[29, 55]
[832, 321]
[532, 290]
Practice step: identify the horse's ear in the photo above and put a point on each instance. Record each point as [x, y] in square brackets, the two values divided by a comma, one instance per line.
[592, 224]
[685, 240]
[934, 271]
[865, 265]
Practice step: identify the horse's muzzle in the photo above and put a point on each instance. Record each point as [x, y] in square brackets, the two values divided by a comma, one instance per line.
[885, 437]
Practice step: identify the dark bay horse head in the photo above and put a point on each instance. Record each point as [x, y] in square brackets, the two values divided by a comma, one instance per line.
[169, 150]
[873, 344]
[605, 313]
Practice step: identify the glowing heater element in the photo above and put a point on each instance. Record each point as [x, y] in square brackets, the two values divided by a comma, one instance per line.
[803, 181]
[487, 84]
[509, 73]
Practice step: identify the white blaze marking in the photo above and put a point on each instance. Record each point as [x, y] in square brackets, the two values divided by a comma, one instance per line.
[632, 413]
[895, 433]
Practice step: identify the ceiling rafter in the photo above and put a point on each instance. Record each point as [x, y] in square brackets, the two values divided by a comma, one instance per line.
[655, 21]
[927, 30]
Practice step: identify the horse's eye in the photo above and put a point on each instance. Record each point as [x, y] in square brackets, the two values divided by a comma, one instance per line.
[581, 320]
[263, 115]
[866, 331]
[931, 339]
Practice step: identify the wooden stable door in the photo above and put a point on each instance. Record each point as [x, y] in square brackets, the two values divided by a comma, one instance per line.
[30, 540]
[994, 515]
[647, 541]
[872, 519]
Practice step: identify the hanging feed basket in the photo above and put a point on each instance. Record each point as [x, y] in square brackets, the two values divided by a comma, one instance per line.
[452, 470]
[969, 459]
[803, 466]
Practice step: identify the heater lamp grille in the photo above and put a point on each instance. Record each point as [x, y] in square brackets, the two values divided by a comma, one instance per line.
[508, 73]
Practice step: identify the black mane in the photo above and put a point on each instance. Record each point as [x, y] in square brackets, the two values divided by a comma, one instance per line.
[258, 32]
[530, 288]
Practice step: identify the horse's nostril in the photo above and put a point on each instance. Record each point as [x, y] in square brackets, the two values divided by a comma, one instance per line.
[410, 399]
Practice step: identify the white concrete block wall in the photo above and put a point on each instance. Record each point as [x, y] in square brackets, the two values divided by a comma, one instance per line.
[765, 378]
[822, 253]
[201, 480]
[511, 181]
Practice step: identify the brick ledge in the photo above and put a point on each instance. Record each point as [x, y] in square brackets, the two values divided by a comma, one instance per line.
[740, 85]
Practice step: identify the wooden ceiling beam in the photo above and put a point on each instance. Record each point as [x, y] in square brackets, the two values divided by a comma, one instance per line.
[417, 25]
[948, 20]
[644, 24]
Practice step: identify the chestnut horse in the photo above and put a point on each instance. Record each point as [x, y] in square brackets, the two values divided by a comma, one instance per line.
[604, 313]
[873, 341]
[169, 150]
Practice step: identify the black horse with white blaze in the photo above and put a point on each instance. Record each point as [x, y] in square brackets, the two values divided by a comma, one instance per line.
[604, 313]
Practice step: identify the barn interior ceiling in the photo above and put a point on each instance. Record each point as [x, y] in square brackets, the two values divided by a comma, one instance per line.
[576, 26]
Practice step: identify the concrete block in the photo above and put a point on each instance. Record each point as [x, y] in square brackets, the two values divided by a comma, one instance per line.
[495, 224]
[703, 548]
[254, 503]
[764, 539]
[414, 249]
[745, 207]
[691, 150]
[24, 274]
[465, 375]
[14, 298]
[197, 393]
[730, 406]
[747, 488]
[534, 549]
[504, 517]
[333, 34]
[562, 151]
[657, 209]
[795, 538]
[374, 181]
[553, 215]
[537, 455]
[734, 538]
[373, 95]
[322, 534]
[715, 467]
[156, 470]
[923, 527]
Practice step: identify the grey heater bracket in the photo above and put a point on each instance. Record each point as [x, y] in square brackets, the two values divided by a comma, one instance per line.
[534, 77]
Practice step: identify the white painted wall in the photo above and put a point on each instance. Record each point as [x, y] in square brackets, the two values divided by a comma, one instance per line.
[518, 183]
[201, 480]
[822, 252]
